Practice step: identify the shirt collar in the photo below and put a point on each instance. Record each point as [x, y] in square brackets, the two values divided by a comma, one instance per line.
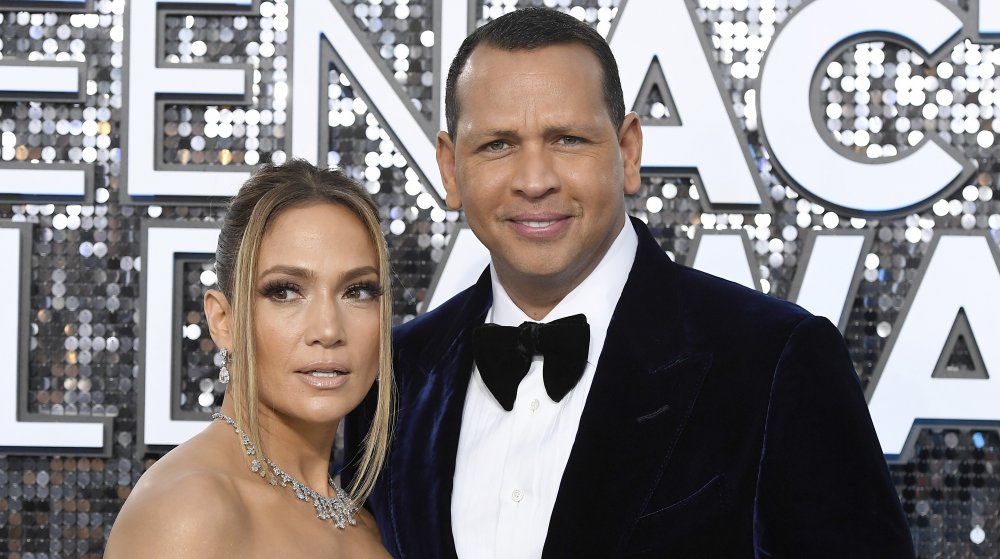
[596, 296]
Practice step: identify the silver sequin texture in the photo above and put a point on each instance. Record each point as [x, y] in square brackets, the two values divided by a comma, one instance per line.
[878, 99]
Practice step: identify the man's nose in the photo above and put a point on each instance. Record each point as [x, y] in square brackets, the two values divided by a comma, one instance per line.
[536, 174]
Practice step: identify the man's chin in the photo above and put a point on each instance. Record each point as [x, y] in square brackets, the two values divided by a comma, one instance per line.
[544, 272]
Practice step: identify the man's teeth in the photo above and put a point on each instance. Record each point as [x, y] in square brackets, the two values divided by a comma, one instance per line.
[325, 374]
[538, 224]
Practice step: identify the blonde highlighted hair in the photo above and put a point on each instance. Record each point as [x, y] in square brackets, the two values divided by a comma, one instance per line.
[270, 191]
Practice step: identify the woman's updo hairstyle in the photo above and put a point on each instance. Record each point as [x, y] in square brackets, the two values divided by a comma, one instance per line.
[268, 192]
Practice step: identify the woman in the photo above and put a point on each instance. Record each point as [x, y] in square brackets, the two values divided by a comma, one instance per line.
[303, 317]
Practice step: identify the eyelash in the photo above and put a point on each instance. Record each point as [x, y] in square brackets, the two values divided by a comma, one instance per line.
[372, 289]
[272, 289]
[498, 145]
[495, 146]
[361, 290]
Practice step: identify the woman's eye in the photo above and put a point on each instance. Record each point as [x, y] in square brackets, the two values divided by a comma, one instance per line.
[280, 292]
[365, 291]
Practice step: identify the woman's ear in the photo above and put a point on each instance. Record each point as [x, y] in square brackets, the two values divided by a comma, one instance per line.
[220, 318]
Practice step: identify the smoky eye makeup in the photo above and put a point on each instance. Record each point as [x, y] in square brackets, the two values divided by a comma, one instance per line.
[364, 290]
[279, 290]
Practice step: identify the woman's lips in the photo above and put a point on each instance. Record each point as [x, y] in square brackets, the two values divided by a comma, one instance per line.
[324, 376]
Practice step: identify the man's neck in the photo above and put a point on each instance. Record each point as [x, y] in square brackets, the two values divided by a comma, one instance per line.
[537, 296]
[536, 308]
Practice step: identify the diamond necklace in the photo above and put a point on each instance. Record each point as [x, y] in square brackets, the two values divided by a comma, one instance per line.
[339, 508]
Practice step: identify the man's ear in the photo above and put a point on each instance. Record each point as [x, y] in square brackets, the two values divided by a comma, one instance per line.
[446, 164]
[220, 318]
[630, 145]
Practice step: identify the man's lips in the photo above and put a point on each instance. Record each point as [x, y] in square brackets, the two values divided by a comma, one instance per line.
[540, 226]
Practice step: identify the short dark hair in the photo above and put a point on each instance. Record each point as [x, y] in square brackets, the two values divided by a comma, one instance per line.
[531, 28]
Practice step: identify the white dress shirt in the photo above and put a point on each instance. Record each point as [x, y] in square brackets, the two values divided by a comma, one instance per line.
[509, 464]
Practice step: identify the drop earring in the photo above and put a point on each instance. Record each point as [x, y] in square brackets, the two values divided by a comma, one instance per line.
[224, 369]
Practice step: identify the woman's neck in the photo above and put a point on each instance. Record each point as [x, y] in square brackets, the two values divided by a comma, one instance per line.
[301, 448]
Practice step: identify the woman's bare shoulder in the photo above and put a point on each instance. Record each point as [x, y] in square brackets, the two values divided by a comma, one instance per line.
[367, 523]
[179, 508]
[371, 545]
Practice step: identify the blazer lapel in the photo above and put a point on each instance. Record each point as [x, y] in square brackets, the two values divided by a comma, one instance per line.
[645, 386]
[422, 471]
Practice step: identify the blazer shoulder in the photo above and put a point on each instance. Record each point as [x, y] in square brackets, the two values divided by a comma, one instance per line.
[702, 294]
[721, 313]
[431, 330]
[738, 303]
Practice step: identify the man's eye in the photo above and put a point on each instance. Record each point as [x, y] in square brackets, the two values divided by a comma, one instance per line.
[570, 140]
[497, 145]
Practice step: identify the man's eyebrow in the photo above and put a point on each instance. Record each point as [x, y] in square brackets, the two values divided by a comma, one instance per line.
[493, 133]
[571, 129]
[560, 130]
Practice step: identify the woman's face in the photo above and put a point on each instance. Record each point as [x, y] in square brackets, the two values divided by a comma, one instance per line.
[316, 315]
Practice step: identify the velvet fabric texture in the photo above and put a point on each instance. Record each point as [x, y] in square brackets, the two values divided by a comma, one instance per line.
[721, 423]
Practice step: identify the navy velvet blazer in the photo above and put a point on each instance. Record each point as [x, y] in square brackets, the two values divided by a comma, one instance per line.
[721, 423]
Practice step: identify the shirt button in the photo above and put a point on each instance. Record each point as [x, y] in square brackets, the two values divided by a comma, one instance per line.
[517, 495]
[533, 405]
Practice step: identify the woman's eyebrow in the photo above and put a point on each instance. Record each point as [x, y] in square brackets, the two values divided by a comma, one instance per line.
[300, 272]
[294, 271]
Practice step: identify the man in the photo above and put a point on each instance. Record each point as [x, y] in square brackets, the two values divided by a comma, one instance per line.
[703, 419]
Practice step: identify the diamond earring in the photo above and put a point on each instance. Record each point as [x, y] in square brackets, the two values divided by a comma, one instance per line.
[224, 369]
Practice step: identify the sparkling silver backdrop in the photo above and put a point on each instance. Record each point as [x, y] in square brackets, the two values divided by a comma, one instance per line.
[878, 99]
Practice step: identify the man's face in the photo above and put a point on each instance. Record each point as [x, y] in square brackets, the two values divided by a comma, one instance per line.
[537, 164]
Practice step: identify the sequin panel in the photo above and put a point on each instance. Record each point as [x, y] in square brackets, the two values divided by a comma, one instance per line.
[877, 99]
[224, 135]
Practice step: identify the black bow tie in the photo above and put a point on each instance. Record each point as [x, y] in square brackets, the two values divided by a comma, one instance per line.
[503, 355]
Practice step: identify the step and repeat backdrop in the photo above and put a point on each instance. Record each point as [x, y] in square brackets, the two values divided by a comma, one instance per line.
[842, 154]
